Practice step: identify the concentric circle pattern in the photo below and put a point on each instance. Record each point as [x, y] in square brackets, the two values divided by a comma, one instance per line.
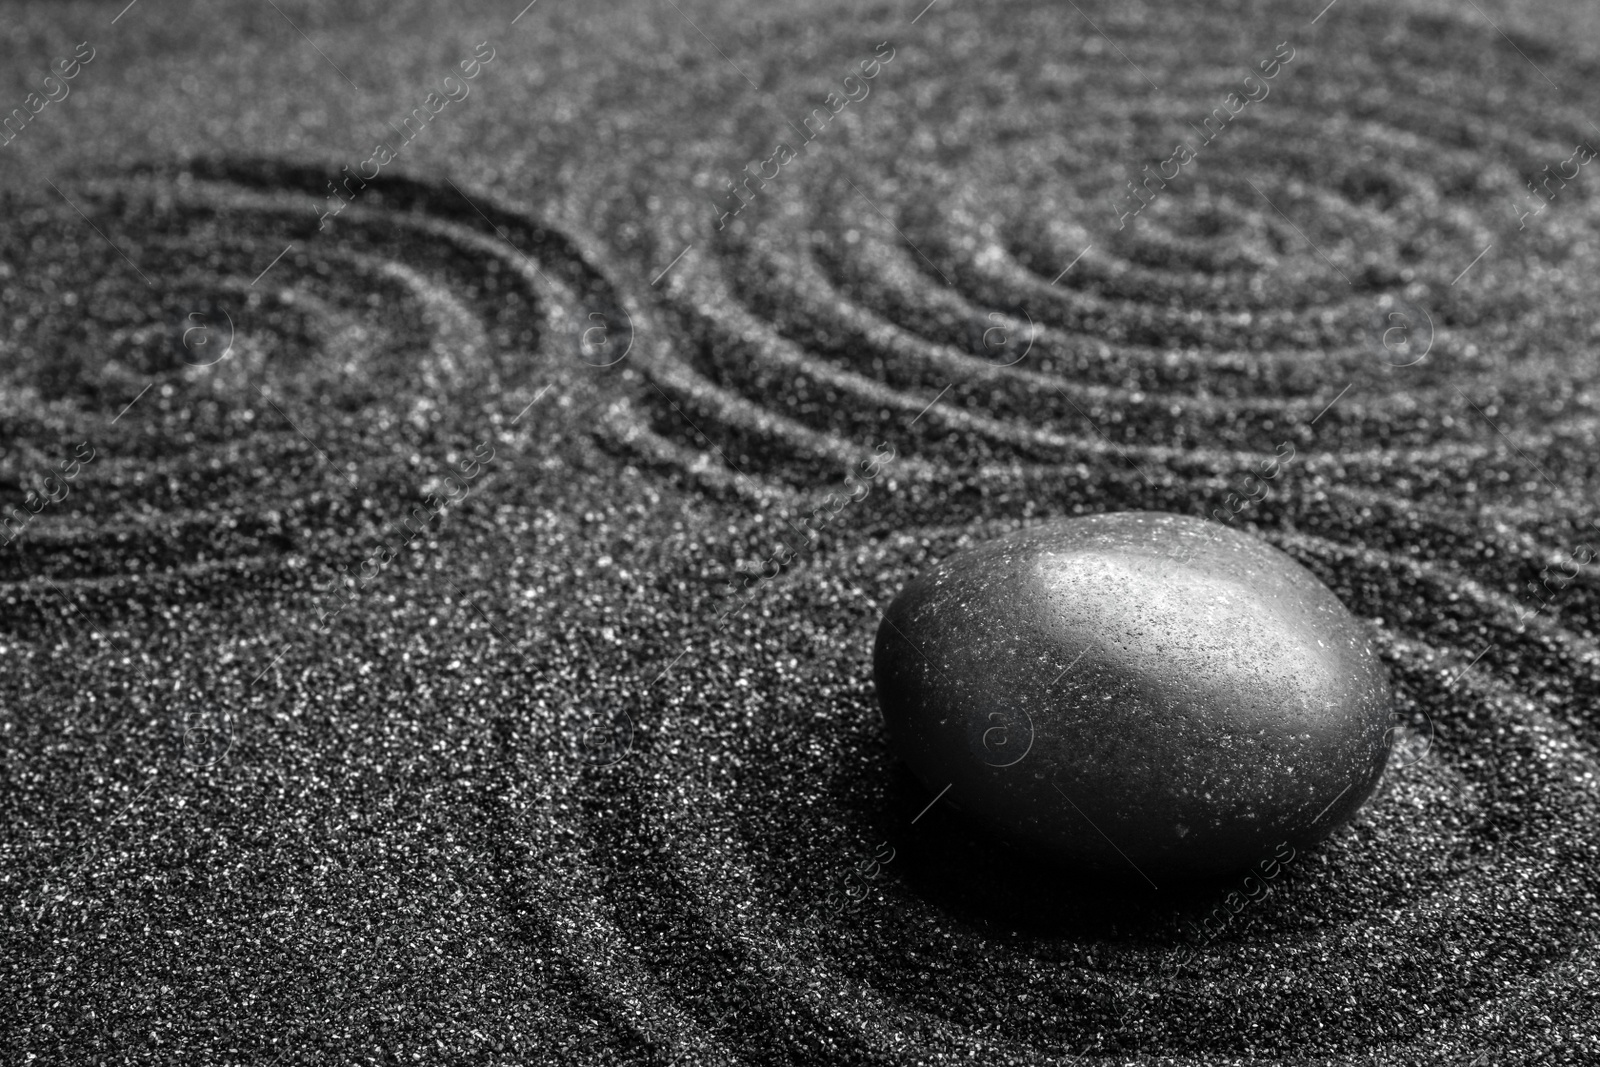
[1290, 295]
[267, 394]
[653, 776]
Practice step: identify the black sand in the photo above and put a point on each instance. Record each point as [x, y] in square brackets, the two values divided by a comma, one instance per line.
[568, 778]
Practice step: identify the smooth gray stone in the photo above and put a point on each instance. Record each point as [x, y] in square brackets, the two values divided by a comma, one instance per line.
[1142, 694]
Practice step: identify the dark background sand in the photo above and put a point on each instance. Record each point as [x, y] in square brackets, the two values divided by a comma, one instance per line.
[536, 793]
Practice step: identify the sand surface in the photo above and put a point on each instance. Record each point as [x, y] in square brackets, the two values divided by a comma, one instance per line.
[444, 634]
